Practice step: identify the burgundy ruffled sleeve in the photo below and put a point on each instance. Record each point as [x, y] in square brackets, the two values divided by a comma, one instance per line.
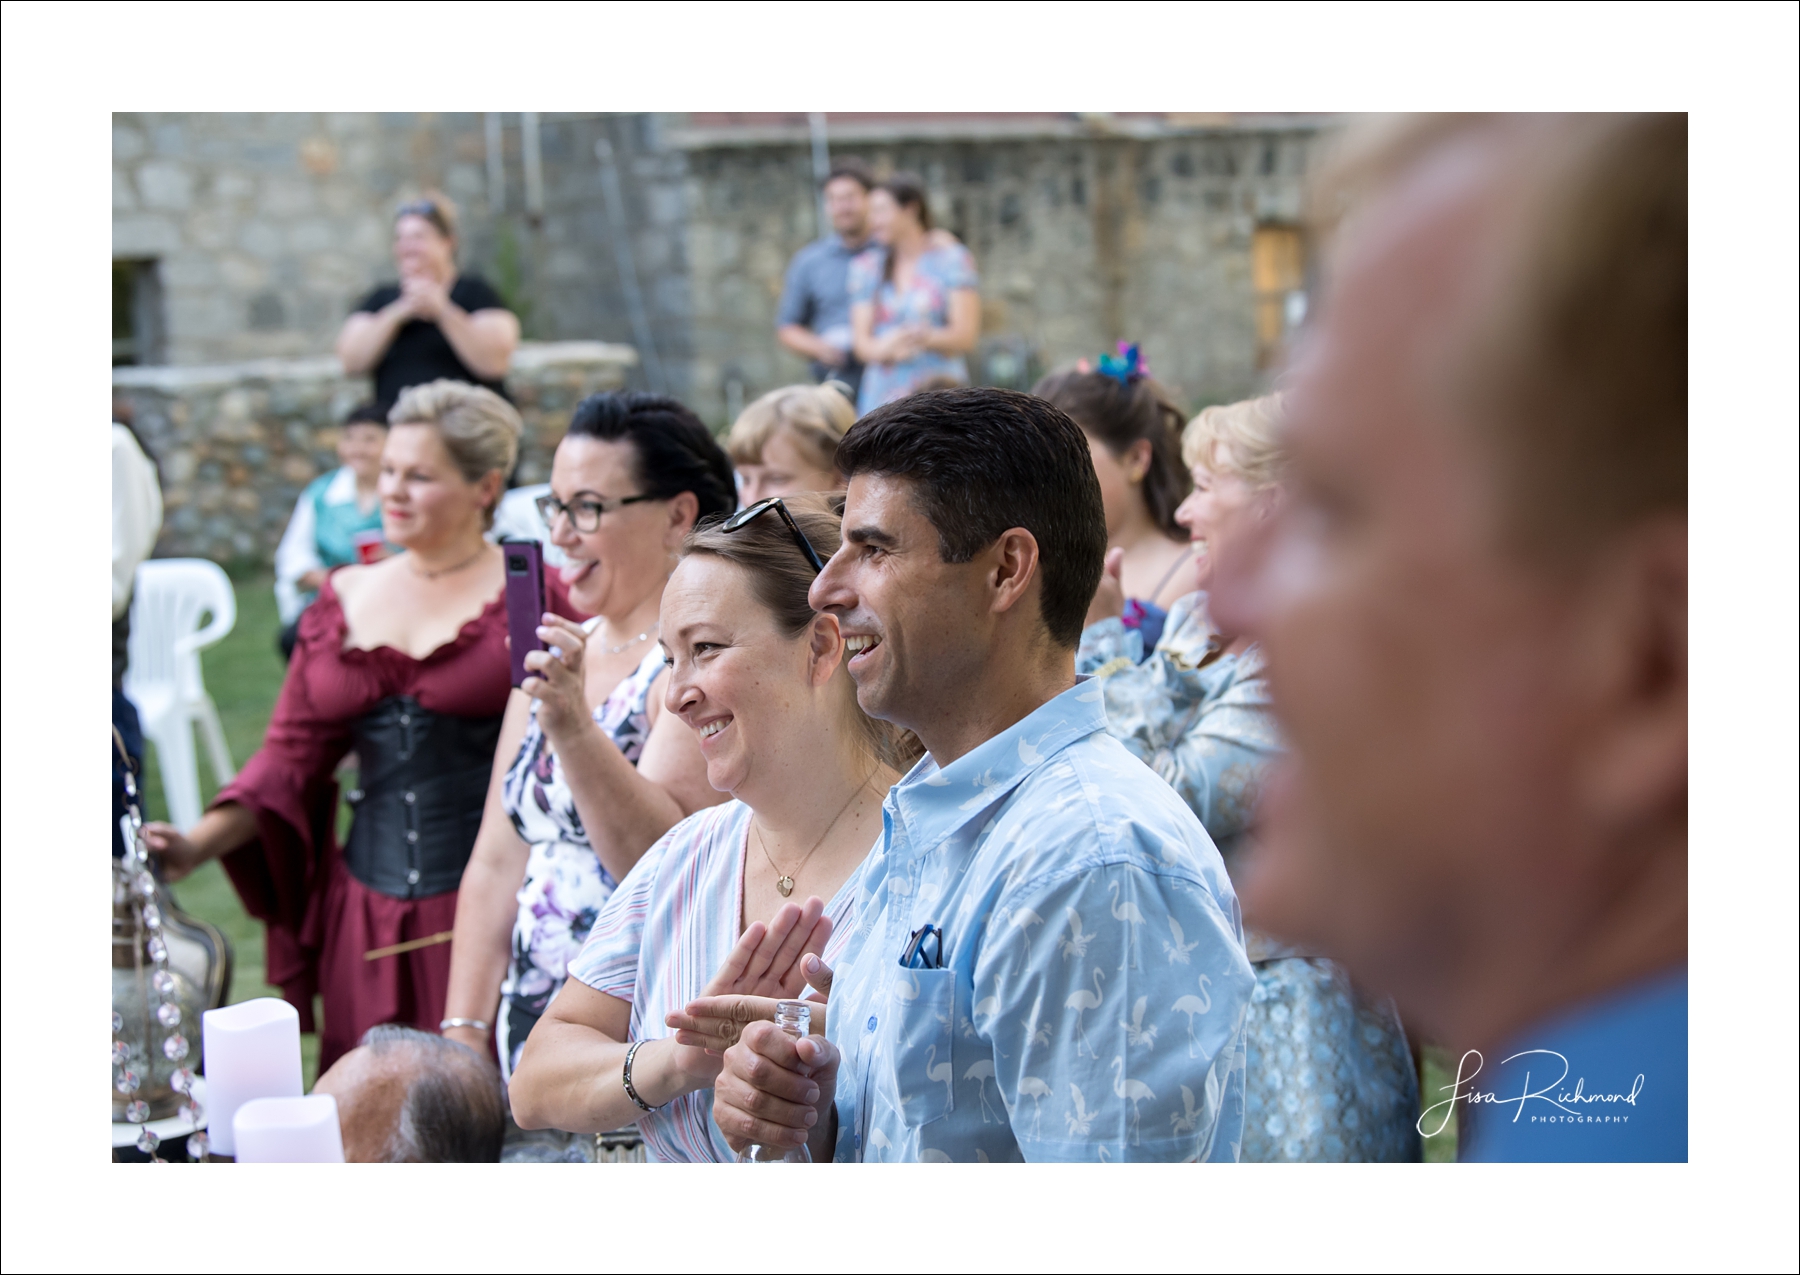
[290, 788]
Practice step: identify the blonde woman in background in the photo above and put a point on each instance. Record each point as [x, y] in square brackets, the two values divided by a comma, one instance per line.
[403, 661]
[1330, 1075]
[786, 441]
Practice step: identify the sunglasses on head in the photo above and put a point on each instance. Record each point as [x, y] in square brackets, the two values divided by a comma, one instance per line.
[743, 517]
[428, 210]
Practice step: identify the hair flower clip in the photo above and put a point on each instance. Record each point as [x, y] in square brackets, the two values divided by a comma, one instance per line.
[1124, 367]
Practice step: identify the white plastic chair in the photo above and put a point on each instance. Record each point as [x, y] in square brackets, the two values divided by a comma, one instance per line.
[168, 599]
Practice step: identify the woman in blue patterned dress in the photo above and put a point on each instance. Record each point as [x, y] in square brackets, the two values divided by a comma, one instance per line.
[914, 305]
[1330, 1075]
[589, 771]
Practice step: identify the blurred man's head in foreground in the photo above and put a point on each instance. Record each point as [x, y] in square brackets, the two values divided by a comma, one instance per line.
[407, 1096]
[1474, 601]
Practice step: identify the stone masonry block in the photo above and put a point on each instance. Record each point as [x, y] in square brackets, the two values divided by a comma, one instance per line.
[144, 235]
[165, 184]
[237, 442]
[127, 142]
[283, 196]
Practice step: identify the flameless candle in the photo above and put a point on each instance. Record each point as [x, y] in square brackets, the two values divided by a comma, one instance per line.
[252, 1050]
[289, 1131]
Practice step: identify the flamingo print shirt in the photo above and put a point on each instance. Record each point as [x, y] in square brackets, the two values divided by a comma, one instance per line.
[1091, 999]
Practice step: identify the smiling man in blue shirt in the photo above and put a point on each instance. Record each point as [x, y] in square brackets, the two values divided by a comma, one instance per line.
[1048, 961]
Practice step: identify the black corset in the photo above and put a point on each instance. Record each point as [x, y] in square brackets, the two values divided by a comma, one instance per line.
[424, 779]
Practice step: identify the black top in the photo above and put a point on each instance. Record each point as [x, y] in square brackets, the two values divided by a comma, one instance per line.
[420, 352]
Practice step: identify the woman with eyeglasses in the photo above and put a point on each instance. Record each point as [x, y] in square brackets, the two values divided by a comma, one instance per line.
[733, 899]
[590, 769]
[435, 323]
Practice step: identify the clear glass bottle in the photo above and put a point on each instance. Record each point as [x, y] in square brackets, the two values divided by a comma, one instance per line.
[794, 1018]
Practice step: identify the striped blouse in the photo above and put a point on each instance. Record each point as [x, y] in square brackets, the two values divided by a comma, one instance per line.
[682, 906]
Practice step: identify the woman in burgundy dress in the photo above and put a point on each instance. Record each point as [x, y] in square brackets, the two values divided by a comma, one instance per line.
[404, 662]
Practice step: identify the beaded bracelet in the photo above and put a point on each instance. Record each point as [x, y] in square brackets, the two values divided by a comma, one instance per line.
[631, 1089]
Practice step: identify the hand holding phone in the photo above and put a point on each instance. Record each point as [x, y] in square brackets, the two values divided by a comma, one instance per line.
[560, 689]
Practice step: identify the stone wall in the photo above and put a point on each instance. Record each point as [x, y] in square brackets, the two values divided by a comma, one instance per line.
[236, 443]
[1083, 238]
[267, 228]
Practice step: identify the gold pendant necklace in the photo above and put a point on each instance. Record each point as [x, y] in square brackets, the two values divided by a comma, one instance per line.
[784, 881]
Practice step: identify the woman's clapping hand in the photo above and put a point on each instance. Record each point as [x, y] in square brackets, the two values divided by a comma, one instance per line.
[769, 963]
[902, 343]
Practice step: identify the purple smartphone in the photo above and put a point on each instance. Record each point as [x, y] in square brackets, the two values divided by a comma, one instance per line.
[524, 560]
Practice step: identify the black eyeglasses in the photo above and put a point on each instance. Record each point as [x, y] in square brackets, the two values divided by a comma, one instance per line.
[743, 517]
[585, 510]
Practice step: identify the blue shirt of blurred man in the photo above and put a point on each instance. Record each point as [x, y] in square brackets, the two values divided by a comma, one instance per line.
[1474, 606]
[813, 319]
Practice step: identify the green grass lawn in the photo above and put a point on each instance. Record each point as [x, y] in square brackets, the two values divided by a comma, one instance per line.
[243, 674]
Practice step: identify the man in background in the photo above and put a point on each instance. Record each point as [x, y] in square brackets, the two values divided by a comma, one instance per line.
[814, 316]
[1474, 608]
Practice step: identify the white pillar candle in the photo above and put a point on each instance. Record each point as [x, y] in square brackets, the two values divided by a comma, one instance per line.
[251, 1050]
[289, 1131]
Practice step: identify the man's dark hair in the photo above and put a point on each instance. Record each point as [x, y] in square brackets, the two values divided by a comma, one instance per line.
[985, 460]
[455, 1111]
[852, 167]
[675, 452]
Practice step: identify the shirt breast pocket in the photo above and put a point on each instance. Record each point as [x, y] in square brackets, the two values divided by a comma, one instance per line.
[923, 1012]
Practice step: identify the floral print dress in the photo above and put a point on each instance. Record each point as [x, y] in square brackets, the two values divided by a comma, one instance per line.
[1330, 1074]
[565, 882]
[925, 301]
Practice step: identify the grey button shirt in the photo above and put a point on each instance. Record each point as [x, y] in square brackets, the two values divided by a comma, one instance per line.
[816, 295]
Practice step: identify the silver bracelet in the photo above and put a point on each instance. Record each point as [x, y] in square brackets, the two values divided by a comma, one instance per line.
[476, 1023]
[631, 1089]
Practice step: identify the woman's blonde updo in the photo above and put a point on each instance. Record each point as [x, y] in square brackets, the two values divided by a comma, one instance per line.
[816, 417]
[1238, 438]
[480, 429]
[780, 577]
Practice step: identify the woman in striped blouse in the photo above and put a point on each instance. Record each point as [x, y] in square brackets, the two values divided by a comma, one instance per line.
[713, 907]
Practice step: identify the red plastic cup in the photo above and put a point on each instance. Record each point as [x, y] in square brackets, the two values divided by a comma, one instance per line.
[369, 547]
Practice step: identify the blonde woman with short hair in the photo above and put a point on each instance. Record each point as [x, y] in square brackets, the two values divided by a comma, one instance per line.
[786, 441]
[404, 663]
[1197, 710]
